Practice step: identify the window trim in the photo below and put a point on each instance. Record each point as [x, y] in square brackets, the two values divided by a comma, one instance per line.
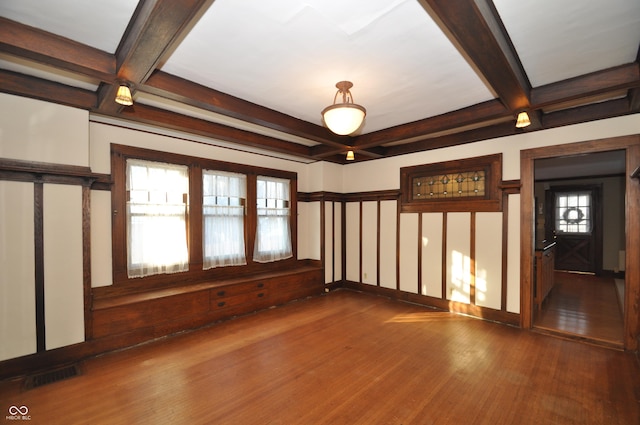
[119, 156]
[490, 202]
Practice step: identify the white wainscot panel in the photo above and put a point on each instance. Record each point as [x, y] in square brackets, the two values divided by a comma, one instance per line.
[369, 242]
[388, 233]
[513, 255]
[309, 230]
[337, 238]
[17, 265]
[459, 257]
[101, 257]
[409, 239]
[63, 291]
[431, 254]
[328, 243]
[488, 276]
[353, 241]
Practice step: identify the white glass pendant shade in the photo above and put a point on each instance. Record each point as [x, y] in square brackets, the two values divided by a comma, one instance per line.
[343, 118]
[346, 117]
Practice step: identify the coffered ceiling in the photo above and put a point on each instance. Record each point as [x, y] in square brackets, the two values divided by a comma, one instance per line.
[254, 75]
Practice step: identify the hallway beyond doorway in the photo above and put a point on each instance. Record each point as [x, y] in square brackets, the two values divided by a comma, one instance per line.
[583, 306]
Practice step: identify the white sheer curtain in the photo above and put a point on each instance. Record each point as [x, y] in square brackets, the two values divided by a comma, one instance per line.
[156, 218]
[223, 202]
[273, 234]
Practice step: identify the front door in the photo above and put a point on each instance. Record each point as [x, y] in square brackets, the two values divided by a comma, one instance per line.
[574, 219]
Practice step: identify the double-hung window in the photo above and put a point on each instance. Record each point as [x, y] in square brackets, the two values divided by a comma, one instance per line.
[273, 236]
[157, 204]
[223, 209]
[198, 217]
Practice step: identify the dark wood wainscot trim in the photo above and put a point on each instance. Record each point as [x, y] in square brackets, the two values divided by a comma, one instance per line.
[437, 303]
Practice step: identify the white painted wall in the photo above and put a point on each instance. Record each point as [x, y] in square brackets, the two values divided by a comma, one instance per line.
[431, 240]
[32, 130]
[17, 280]
[353, 241]
[63, 286]
[488, 255]
[388, 232]
[370, 243]
[458, 270]
[409, 239]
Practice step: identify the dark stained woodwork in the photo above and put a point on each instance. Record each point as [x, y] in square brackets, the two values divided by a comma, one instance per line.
[35, 88]
[38, 231]
[490, 111]
[476, 29]
[154, 30]
[175, 88]
[609, 80]
[50, 49]
[151, 115]
[631, 145]
[308, 362]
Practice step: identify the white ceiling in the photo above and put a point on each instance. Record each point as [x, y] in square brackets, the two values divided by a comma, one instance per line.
[287, 55]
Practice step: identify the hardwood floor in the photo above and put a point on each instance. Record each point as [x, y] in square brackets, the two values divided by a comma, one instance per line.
[585, 306]
[345, 358]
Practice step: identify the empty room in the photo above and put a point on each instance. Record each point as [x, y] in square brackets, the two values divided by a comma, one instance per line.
[320, 212]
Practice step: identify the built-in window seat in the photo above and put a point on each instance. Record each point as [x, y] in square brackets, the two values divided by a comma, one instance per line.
[160, 312]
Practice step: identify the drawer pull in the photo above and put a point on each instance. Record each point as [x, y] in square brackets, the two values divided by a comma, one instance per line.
[221, 304]
[261, 294]
[260, 285]
[220, 293]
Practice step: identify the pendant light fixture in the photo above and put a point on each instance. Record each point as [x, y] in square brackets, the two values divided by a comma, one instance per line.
[350, 156]
[123, 96]
[523, 120]
[346, 117]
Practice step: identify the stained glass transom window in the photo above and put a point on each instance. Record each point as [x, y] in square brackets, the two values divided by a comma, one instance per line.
[453, 185]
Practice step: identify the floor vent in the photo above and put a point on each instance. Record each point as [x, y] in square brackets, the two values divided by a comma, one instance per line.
[51, 376]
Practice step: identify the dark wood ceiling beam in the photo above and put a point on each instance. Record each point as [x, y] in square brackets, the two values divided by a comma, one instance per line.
[494, 131]
[190, 125]
[190, 93]
[56, 51]
[154, 30]
[476, 114]
[325, 151]
[574, 89]
[476, 29]
[586, 113]
[36, 88]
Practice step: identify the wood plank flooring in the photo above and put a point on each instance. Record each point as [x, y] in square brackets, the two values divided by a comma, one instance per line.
[345, 358]
[585, 306]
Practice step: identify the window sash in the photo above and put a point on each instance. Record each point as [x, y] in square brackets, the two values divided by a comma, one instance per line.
[273, 233]
[223, 211]
[156, 211]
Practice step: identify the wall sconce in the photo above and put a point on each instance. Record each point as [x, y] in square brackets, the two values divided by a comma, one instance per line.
[350, 156]
[123, 96]
[523, 120]
[346, 117]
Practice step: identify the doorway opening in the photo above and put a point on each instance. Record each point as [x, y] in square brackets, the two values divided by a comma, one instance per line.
[585, 240]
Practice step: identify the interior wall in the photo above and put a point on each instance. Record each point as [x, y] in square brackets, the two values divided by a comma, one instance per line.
[497, 273]
[38, 131]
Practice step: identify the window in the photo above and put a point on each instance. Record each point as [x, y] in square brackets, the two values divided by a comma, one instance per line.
[156, 218]
[573, 212]
[201, 218]
[463, 185]
[273, 239]
[223, 201]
